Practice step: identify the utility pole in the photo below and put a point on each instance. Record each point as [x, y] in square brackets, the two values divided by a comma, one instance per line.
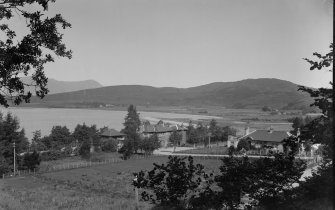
[14, 159]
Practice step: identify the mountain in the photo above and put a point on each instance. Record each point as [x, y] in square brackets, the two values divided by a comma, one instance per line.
[56, 86]
[249, 93]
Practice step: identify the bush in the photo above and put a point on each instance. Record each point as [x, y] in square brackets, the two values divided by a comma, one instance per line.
[85, 148]
[30, 161]
[4, 167]
[231, 150]
[148, 145]
[176, 185]
[243, 144]
[109, 146]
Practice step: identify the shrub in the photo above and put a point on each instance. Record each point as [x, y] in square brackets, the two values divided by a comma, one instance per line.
[4, 166]
[30, 161]
[231, 150]
[176, 185]
[243, 144]
[148, 145]
[84, 150]
[109, 146]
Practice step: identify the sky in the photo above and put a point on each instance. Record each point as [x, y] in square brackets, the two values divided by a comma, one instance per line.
[186, 43]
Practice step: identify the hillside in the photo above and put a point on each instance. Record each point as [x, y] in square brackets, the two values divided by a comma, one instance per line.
[249, 93]
[56, 86]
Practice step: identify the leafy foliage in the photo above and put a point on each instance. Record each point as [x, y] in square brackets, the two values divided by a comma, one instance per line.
[172, 185]
[9, 133]
[148, 145]
[59, 137]
[175, 137]
[131, 127]
[36, 142]
[20, 57]
[109, 146]
[84, 132]
[243, 144]
[84, 150]
[191, 134]
[318, 190]
[30, 161]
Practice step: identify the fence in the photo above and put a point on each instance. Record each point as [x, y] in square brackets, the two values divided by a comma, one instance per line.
[310, 161]
[69, 166]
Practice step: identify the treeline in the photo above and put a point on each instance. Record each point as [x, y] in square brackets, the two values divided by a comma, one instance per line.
[202, 134]
[60, 143]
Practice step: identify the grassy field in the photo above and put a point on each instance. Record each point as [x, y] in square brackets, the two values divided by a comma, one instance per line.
[99, 187]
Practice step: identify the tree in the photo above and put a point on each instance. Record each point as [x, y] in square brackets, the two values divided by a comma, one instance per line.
[84, 132]
[85, 149]
[243, 144]
[36, 141]
[27, 56]
[316, 192]
[174, 185]
[60, 136]
[175, 137]
[217, 133]
[299, 123]
[191, 133]
[148, 145]
[109, 146]
[9, 133]
[131, 127]
[30, 161]
[201, 132]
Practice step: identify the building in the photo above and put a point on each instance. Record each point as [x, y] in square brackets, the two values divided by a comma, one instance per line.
[266, 140]
[163, 132]
[111, 134]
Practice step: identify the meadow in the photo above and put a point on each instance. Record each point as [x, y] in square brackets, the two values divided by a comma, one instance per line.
[99, 187]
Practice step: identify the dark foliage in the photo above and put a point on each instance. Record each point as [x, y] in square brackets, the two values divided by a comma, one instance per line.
[174, 185]
[131, 127]
[175, 138]
[9, 133]
[148, 145]
[20, 57]
[4, 166]
[109, 146]
[84, 150]
[59, 137]
[83, 132]
[243, 144]
[30, 161]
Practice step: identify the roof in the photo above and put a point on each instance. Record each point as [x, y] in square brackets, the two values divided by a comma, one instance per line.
[112, 133]
[266, 135]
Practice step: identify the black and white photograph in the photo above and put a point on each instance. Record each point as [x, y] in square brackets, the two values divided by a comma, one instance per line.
[166, 105]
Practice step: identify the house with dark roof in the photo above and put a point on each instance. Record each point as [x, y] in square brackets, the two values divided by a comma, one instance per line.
[163, 132]
[112, 134]
[267, 140]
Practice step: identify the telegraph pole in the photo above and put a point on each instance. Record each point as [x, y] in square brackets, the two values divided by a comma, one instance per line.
[14, 159]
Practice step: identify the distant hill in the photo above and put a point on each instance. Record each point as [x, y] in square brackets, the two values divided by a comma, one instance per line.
[56, 86]
[249, 93]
